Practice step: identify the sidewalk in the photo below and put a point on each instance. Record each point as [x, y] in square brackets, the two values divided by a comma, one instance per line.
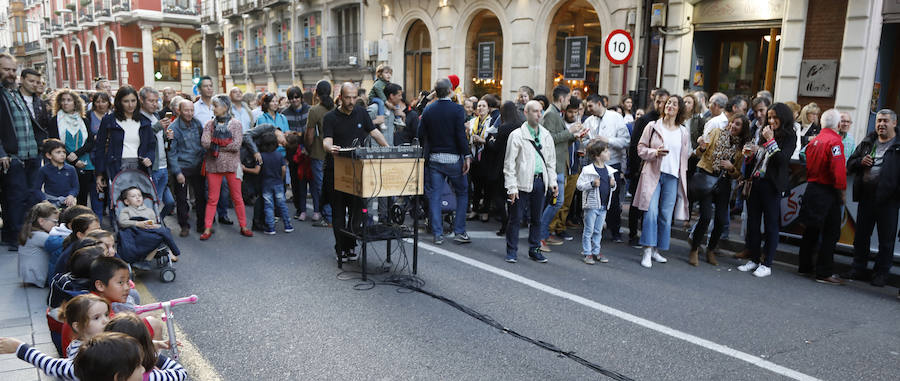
[788, 249]
[22, 316]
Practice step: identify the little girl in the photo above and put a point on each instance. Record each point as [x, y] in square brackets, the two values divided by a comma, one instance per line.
[33, 259]
[87, 314]
[597, 183]
[108, 356]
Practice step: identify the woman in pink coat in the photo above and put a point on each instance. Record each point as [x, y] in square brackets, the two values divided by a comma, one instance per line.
[665, 147]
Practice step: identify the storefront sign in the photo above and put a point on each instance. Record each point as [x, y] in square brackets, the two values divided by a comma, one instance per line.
[731, 11]
[575, 61]
[818, 78]
[486, 60]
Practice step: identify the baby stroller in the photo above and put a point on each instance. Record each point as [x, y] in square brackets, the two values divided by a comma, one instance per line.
[147, 252]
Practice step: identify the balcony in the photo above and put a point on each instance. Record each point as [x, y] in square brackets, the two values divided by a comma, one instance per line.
[280, 57]
[32, 46]
[268, 3]
[102, 11]
[247, 6]
[343, 50]
[227, 7]
[85, 16]
[308, 53]
[256, 60]
[180, 7]
[236, 60]
[120, 6]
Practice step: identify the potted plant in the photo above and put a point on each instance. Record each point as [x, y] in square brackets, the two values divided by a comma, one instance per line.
[70, 7]
[85, 3]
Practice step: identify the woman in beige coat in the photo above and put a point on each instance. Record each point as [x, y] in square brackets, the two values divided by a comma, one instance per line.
[665, 148]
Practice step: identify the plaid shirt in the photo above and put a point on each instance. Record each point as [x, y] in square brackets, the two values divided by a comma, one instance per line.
[21, 121]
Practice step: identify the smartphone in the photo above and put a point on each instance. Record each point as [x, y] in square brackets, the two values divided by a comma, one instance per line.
[168, 115]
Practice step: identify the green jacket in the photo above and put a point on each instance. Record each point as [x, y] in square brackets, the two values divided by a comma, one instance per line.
[554, 123]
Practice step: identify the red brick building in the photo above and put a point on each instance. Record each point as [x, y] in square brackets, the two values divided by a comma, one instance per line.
[137, 42]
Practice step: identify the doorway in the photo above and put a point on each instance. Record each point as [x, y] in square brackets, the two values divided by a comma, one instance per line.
[417, 59]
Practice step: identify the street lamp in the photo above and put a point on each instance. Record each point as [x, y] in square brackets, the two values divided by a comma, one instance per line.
[220, 50]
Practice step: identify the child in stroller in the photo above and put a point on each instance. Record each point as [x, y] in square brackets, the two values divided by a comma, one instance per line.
[144, 242]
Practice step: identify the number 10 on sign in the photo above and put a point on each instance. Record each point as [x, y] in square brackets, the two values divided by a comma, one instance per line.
[619, 47]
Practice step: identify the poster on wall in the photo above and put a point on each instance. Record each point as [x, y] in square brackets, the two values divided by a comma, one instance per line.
[818, 78]
[486, 60]
[698, 72]
[575, 60]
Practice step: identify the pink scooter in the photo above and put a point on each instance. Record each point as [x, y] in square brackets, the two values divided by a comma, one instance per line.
[167, 317]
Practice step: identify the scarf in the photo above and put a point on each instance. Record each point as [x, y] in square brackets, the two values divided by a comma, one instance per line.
[221, 135]
[71, 124]
[725, 148]
[760, 170]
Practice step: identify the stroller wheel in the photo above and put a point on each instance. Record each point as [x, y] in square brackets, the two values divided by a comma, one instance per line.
[167, 275]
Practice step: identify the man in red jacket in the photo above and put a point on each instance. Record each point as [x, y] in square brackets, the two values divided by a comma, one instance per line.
[821, 205]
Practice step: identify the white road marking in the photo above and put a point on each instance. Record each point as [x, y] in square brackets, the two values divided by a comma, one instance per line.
[189, 356]
[725, 350]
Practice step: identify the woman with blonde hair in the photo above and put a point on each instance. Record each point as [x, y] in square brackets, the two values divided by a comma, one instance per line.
[70, 126]
[809, 123]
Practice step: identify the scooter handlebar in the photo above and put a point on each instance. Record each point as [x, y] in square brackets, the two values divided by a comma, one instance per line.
[159, 305]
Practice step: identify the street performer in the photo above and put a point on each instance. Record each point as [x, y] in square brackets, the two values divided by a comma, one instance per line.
[346, 126]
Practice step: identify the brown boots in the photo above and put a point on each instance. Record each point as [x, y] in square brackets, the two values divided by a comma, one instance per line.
[693, 256]
[711, 257]
[694, 259]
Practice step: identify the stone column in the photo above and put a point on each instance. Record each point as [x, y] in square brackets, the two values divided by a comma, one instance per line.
[678, 47]
[793, 33]
[147, 54]
[859, 59]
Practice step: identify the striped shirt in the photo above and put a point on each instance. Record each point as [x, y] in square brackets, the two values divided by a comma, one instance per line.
[166, 369]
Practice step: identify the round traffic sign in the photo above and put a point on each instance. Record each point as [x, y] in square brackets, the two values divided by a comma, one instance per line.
[619, 47]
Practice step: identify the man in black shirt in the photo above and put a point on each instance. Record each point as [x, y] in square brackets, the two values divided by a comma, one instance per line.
[346, 126]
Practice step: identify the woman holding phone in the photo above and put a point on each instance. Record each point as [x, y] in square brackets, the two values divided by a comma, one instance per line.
[767, 183]
[665, 148]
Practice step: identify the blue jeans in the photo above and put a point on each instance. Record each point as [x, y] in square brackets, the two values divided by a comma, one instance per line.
[19, 196]
[657, 229]
[533, 200]
[316, 186]
[437, 174]
[224, 202]
[593, 230]
[161, 180]
[380, 103]
[273, 197]
[551, 209]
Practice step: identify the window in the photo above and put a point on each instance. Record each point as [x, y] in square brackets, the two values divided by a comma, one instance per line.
[111, 66]
[196, 59]
[346, 20]
[95, 65]
[79, 70]
[64, 64]
[237, 41]
[165, 60]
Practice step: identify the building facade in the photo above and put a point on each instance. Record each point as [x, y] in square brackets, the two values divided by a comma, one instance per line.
[136, 42]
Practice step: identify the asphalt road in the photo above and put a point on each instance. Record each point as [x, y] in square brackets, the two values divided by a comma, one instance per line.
[277, 308]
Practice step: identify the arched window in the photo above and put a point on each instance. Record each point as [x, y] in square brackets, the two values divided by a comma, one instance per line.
[79, 68]
[165, 61]
[95, 65]
[111, 66]
[64, 64]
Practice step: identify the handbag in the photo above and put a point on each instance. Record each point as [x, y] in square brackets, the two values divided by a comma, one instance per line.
[701, 185]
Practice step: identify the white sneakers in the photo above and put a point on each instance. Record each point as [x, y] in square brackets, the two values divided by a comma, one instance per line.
[645, 261]
[651, 253]
[749, 266]
[760, 270]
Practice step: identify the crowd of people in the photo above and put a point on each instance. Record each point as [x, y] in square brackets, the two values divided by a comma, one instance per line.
[550, 163]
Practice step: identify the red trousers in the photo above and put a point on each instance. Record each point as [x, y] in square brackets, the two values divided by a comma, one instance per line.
[214, 186]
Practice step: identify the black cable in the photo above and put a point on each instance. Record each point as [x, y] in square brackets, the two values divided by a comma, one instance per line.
[408, 283]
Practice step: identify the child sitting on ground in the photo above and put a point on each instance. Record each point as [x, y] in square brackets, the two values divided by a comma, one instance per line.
[596, 182]
[33, 258]
[59, 233]
[87, 314]
[57, 181]
[108, 356]
[64, 287]
[81, 226]
[158, 367]
[272, 174]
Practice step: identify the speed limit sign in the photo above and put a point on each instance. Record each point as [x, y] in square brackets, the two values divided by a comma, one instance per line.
[619, 47]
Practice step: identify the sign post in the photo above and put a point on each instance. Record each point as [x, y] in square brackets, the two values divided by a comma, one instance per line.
[575, 62]
[619, 47]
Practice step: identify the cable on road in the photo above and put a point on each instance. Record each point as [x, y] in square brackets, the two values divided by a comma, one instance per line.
[408, 283]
